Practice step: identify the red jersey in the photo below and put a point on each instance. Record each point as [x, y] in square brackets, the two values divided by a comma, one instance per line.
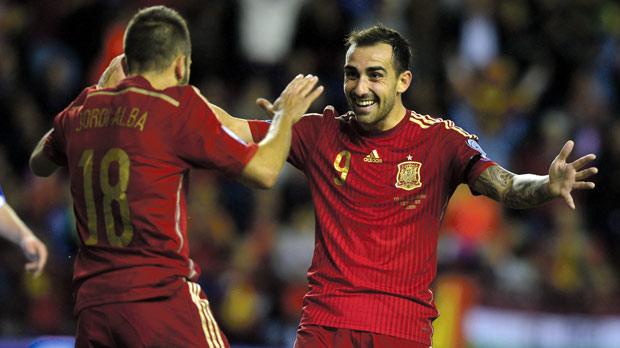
[128, 151]
[379, 199]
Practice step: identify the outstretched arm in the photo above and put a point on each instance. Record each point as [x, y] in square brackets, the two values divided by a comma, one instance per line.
[240, 126]
[264, 168]
[529, 190]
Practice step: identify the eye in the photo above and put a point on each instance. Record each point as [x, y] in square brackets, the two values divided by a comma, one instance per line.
[350, 75]
[375, 75]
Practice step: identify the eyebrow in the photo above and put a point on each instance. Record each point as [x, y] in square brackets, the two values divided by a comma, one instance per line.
[376, 68]
[370, 68]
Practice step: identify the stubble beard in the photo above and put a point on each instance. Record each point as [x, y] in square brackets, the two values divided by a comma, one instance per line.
[372, 120]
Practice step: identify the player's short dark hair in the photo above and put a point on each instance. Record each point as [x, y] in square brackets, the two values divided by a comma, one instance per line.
[401, 50]
[154, 37]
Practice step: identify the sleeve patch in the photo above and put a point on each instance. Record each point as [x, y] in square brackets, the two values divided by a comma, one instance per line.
[474, 145]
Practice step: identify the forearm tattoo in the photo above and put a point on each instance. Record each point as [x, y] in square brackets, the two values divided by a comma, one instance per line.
[514, 191]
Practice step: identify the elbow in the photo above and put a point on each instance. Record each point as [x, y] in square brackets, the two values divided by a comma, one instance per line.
[40, 169]
[35, 169]
[260, 174]
[267, 180]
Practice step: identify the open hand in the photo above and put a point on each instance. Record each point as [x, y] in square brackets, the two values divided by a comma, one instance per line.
[295, 99]
[565, 177]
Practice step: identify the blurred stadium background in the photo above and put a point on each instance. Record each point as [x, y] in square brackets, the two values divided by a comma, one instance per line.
[523, 75]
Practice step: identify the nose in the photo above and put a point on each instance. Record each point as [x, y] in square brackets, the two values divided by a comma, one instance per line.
[361, 87]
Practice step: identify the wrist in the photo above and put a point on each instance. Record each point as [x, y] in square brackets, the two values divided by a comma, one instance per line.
[283, 118]
[26, 239]
[549, 189]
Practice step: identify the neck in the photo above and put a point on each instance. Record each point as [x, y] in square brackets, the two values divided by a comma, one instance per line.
[160, 80]
[390, 121]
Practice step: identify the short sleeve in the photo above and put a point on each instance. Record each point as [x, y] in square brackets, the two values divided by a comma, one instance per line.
[305, 132]
[202, 141]
[54, 146]
[259, 129]
[469, 159]
[55, 143]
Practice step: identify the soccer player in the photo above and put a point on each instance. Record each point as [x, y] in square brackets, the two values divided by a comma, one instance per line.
[380, 177]
[15, 230]
[128, 151]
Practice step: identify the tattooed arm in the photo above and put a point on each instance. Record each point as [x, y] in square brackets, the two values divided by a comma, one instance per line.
[528, 190]
[512, 190]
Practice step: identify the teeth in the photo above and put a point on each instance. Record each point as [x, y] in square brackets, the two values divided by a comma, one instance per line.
[365, 102]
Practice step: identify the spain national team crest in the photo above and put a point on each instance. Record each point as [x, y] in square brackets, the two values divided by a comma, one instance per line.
[408, 176]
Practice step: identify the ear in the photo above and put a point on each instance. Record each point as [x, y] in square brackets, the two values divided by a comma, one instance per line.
[179, 67]
[404, 80]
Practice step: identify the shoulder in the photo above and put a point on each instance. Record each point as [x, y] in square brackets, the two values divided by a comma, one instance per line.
[76, 105]
[435, 125]
[83, 96]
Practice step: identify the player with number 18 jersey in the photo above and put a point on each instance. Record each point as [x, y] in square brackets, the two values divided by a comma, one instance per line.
[128, 151]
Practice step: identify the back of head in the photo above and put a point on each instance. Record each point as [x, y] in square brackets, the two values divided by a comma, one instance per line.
[155, 36]
[401, 50]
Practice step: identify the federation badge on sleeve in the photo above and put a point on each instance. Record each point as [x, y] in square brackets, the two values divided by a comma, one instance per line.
[474, 145]
[408, 176]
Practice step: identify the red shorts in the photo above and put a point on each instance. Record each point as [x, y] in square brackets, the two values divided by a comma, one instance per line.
[314, 336]
[181, 320]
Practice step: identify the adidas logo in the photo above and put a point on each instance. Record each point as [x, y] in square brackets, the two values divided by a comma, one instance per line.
[373, 157]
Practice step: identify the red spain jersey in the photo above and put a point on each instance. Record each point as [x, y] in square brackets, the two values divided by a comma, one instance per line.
[128, 151]
[379, 199]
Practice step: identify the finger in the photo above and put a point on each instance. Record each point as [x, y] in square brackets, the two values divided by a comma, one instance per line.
[42, 257]
[581, 162]
[569, 200]
[583, 185]
[315, 94]
[265, 105]
[301, 84]
[310, 86]
[566, 150]
[32, 267]
[586, 173]
[293, 83]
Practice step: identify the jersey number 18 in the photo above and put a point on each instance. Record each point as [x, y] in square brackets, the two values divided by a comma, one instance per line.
[111, 193]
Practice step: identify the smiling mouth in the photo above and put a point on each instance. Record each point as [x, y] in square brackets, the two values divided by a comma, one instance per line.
[364, 103]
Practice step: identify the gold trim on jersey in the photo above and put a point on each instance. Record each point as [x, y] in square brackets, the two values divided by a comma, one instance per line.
[425, 121]
[408, 176]
[419, 123]
[177, 216]
[162, 96]
[209, 326]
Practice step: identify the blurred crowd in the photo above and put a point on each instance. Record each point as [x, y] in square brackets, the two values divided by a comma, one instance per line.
[524, 76]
